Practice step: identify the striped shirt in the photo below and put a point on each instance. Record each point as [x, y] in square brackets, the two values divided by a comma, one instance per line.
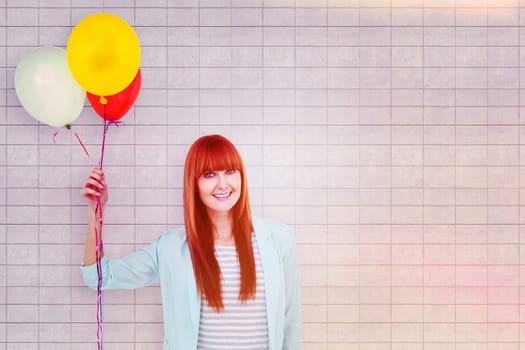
[238, 326]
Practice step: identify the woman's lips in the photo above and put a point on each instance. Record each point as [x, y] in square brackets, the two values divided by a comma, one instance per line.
[222, 196]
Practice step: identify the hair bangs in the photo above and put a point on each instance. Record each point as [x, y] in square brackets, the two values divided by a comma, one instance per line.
[217, 155]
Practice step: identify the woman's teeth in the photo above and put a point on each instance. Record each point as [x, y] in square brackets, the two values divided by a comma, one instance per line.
[222, 195]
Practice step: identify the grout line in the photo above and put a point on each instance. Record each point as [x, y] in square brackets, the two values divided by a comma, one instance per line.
[487, 176]
[326, 204]
[424, 168]
[39, 174]
[71, 244]
[264, 110]
[519, 175]
[391, 187]
[167, 120]
[295, 109]
[4, 209]
[455, 171]
[359, 168]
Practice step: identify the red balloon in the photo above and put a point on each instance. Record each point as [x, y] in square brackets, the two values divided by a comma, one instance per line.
[119, 104]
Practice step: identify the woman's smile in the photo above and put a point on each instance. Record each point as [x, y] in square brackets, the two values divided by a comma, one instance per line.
[222, 196]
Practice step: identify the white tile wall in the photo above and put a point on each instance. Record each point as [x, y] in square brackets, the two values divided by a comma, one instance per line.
[387, 132]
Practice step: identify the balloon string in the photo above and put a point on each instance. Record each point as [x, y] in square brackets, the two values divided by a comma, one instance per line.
[98, 242]
[83, 146]
[55, 135]
[106, 127]
[99, 247]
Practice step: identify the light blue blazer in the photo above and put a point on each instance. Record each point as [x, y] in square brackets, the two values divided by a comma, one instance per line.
[167, 261]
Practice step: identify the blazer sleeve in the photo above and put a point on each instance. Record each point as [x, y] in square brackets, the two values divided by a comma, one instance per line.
[137, 269]
[292, 321]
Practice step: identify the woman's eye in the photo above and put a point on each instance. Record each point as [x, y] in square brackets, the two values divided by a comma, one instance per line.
[208, 174]
[230, 171]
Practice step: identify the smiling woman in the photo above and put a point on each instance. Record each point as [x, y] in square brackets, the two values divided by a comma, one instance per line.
[228, 281]
[216, 207]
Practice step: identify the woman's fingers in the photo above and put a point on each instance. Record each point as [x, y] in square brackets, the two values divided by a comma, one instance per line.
[95, 186]
[95, 182]
[96, 173]
[96, 178]
[90, 192]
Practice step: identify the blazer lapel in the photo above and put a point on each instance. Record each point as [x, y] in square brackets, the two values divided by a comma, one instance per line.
[272, 274]
[193, 296]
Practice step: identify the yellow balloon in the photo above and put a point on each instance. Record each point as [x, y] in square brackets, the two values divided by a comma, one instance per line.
[103, 54]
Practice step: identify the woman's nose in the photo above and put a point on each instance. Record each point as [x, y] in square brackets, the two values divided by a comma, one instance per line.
[222, 180]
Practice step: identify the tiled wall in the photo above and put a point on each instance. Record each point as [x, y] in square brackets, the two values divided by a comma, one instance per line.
[387, 132]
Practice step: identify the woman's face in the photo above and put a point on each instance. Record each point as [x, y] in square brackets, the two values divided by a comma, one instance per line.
[219, 190]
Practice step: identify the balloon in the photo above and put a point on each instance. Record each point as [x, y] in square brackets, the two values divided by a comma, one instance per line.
[103, 53]
[46, 89]
[119, 104]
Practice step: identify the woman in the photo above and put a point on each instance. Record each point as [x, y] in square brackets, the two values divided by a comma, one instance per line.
[227, 281]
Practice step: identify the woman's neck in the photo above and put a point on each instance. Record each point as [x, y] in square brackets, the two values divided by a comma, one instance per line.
[222, 228]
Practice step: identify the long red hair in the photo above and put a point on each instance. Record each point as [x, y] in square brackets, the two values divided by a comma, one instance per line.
[216, 153]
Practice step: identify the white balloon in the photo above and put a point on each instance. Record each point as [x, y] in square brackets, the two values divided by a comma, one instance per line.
[46, 88]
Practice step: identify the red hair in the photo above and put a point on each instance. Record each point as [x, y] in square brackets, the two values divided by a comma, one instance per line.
[216, 153]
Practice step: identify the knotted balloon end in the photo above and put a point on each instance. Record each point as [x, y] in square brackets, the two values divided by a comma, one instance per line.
[103, 100]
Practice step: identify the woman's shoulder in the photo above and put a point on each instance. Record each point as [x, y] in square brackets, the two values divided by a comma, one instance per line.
[175, 236]
[269, 223]
[279, 230]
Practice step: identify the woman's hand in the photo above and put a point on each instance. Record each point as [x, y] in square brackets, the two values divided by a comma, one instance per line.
[94, 188]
